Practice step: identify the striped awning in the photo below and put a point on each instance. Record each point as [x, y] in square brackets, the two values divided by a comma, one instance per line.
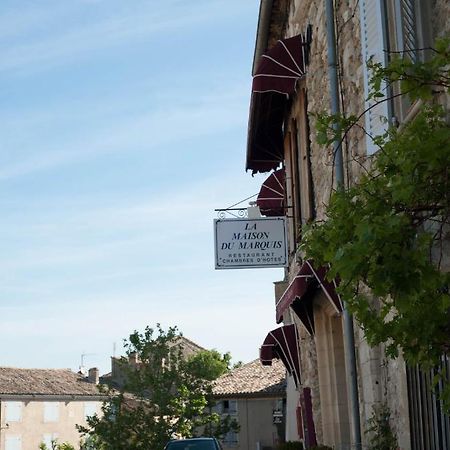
[271, 195]
[282, 343]
[274, 80]
[300, 292]
[280, 68]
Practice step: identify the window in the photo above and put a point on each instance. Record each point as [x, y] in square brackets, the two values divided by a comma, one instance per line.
[13, 412]
[407, 27]
[231, 438]
[300, 196]
[90, 408]
[51, 412]
[226, 407]
[407, 31]
[390, 26]
[229, 407]
[48, 438]
[13, 443]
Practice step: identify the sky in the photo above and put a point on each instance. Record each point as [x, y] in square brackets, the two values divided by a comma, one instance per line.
[122, 128]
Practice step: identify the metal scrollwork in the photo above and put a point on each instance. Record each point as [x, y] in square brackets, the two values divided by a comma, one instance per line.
[239, 213]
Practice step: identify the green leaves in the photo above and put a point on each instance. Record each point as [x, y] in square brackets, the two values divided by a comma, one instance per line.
[416, 79]
[164, 393]
[208, 364]
[385, 236]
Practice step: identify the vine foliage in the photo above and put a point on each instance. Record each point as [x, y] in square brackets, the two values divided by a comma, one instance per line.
[386, 238]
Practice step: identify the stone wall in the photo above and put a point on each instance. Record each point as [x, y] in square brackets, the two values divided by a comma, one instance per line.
[380, 379]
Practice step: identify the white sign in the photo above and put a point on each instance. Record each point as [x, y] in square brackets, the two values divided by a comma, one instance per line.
[250, 243]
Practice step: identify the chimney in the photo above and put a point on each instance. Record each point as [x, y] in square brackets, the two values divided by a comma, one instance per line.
[133, 359]
[93, 375]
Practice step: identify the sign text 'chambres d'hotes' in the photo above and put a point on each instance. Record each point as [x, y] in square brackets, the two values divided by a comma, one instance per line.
[250, 243]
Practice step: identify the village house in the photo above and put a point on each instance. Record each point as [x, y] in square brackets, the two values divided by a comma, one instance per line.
[330, 398]
[254, 395]
[41, 405]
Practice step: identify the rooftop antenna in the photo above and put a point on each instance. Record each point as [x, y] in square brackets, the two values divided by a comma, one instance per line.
[83, 369]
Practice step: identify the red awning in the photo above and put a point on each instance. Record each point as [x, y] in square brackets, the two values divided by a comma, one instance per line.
[299, 294]
[282, 343]
[265, 149]
[274, 80]
[271, 195]
[281, 67]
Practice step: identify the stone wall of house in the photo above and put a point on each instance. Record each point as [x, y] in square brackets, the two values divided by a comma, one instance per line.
[379, 379]
[312, 12]
[34, 427]
[256, 424]
[440, 15]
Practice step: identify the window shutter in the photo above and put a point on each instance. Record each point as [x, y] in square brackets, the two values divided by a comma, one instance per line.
[13, 411]
[373, 45]
[407, 29]
[218, 407]
[90, 408]
[232, 409]
[13, 443]
[51, 412]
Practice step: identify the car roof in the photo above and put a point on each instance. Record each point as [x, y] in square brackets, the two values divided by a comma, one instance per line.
[195, 439]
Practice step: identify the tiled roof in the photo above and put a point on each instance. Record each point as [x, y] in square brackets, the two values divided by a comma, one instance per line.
[57, 382]
[252, 380]
[188, 343]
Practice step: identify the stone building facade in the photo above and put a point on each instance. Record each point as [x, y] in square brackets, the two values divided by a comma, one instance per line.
[363, 28]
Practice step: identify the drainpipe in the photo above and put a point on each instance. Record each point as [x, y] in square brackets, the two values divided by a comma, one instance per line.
[349, 338]
[262, 31]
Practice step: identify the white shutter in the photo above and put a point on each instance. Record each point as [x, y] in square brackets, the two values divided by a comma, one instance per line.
[13, 443]
[373, 45]
[51, 412]
[90, 408]
[48, 438]
[13, 411]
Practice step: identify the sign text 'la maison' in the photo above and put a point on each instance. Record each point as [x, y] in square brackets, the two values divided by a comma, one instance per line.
[250, 243]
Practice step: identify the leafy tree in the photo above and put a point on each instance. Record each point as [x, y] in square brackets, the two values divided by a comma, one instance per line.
[55, 445]
[209, 364]
[164, 396]
[385, 237]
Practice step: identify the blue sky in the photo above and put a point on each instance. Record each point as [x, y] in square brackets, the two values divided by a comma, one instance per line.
[122, 127]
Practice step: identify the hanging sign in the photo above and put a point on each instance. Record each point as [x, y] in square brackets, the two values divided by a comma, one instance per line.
[250, 243]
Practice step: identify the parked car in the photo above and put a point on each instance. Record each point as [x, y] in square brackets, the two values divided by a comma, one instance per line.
[203, 443]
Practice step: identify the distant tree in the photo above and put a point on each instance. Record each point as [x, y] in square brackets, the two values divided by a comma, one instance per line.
[209, 364]
[164, 396]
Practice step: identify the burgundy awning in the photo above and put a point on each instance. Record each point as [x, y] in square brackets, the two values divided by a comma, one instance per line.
[300, 291]
[265, 149]
[274, 80]
[271, 195]
[281, 67]
[282, 343]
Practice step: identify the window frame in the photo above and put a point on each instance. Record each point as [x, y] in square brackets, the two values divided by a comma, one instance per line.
[10, 407]
[51, 412]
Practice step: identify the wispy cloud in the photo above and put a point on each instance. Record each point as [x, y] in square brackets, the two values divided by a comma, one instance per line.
[147, 131]
[64, 46]
[111, 167]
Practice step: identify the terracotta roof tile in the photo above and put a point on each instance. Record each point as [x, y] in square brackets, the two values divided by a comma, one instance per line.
[61, 382]
[252, 379]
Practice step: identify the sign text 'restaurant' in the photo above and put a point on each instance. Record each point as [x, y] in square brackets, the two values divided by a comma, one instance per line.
[245, 243]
